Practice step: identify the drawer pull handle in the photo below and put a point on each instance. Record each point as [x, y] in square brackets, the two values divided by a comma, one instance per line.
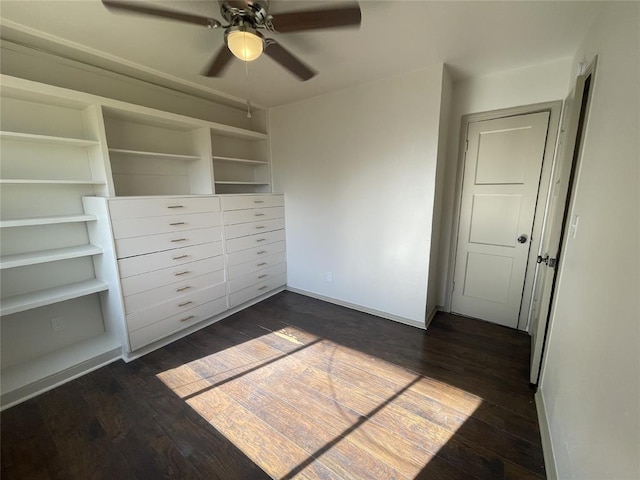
[183, 304]
[260, 239]
[260, 227]
[262, 276]
[259, 215]
[262, 264]
[176, 223]
[181, 273]
[258, 201]
[179, 240]
[182, 289]
[175, 206]
[180, 256]
[263, 287]
[187, 318]
[261, 252]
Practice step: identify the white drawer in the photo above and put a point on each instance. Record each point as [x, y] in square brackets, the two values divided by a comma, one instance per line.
[242, 202]
[166, 276]
[254, 291]
[243, 243]
[175, 306]
[128, 247]
[255, 253]
[255, 214]
[236, 271]
[137, 227]
[257, 277]
[154, 207]
[142, 300]
[156, 261]
[146, 335]
[244, 229]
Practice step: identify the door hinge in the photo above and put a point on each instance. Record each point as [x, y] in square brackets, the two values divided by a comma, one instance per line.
[454, 286]
[466, 145]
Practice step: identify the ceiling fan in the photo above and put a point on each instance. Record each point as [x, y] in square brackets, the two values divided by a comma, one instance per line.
[244, 18]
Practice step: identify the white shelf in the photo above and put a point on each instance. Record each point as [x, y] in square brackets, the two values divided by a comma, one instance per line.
[29, 222]
[241, 183]
[35, 138]
[28, 181]
[143, 154]
[239, 160]
[33, 258]
[20, 303]
[229, 131]
[73, 358]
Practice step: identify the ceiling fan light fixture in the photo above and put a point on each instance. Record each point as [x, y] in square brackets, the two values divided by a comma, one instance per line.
[244, 42]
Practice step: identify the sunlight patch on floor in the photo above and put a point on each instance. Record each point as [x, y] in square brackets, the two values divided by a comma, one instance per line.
[301, 406]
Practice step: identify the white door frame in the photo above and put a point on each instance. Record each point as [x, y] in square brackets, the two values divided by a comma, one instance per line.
[573, 161]
[554, 109]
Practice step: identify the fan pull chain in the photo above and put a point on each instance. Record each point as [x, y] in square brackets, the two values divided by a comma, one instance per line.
[246, 71]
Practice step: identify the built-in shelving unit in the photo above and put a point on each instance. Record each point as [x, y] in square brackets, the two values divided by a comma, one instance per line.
[60, 307]
[53, 150]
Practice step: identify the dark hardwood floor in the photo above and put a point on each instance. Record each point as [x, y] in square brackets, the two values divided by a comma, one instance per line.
[293, 388]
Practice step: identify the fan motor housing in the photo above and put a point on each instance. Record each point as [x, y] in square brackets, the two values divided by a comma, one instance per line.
[238, 12]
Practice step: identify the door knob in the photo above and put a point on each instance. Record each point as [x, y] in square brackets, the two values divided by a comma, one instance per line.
[523, 238]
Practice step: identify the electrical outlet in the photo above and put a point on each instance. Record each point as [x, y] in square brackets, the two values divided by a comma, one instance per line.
[57, 324]
[329, 277]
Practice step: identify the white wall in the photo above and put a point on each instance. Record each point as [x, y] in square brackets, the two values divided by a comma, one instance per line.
[591, 377]
[358, 171]
[525, 86]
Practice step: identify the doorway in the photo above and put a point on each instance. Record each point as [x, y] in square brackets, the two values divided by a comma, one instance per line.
[505, 166]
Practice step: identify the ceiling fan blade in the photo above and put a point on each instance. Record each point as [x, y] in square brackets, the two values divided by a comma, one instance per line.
[314, 19]
[219, 63]
[161, 12]
[278, 53]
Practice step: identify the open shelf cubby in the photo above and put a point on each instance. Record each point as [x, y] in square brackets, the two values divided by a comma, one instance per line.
[157, 155]
[240, 165]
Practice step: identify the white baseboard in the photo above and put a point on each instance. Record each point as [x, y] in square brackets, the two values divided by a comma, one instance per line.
[545, 436]
[360, 308]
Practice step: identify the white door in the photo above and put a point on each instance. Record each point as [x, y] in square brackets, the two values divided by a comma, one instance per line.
[499, 194]
[553, 224]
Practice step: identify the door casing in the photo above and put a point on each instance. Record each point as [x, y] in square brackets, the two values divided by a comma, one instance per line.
[554, 108]
[572, 160]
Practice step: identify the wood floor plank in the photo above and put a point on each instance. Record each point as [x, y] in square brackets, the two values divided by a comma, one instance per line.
[261, 443]
[410, 351]
[317, 437]
[27, 448]
[293, 387]
[209, 450]
[83, 446]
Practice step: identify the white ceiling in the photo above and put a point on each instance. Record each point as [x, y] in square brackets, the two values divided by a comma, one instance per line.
[474, 38]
